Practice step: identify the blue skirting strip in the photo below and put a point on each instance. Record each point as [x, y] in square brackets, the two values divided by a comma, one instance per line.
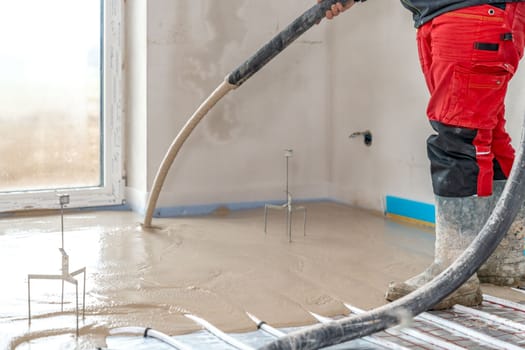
[205, 209]
[410, 209]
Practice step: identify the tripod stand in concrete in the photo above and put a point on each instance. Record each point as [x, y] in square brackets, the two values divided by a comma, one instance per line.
[65, 276]
[288, 205]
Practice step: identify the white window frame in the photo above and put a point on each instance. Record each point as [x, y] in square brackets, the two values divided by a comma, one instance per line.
[111, 190]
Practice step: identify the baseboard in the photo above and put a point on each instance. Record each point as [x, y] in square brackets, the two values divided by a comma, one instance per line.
[205, 209]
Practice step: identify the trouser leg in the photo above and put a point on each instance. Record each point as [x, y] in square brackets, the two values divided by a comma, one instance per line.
[468, 60]
[461, 161]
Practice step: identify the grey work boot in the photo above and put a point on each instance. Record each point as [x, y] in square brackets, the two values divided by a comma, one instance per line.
[506, 266]
[458, 221]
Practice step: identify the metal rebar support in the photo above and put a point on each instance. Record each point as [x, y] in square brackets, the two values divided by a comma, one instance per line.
[288, 205]
[65, 276]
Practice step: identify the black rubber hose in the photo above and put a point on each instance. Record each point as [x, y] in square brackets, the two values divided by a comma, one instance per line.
[424, 298]
[294, 30]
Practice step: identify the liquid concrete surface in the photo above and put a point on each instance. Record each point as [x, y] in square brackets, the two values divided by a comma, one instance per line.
[216, 267]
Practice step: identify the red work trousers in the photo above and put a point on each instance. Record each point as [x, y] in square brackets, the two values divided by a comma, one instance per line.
[468, 57]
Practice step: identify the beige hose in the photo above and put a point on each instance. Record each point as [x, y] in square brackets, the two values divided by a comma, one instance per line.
[264, 55]
[176, 145]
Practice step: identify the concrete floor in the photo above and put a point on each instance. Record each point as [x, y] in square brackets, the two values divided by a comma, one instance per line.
[216, 267]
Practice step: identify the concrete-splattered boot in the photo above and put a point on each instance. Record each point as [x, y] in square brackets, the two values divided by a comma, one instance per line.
[458, 221]
[506, 266]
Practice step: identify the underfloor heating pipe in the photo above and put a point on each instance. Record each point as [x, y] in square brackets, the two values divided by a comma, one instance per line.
[148, 332]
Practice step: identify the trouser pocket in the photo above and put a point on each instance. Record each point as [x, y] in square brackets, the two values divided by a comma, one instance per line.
[475, 96]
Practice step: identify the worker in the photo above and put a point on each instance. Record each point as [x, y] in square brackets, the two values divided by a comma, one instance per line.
[468, 51]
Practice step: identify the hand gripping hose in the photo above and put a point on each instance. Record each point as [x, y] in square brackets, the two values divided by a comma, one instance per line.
[233, 80]
[433, 292]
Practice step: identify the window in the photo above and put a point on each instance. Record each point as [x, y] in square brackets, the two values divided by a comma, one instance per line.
[60, 103]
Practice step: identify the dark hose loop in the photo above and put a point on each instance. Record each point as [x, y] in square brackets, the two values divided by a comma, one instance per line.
[433, 292]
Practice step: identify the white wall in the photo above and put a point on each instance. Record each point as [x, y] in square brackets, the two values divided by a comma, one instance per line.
[358, 72]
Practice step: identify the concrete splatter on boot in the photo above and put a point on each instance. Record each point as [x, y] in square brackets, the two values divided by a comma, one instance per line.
[506, 266]
[458, 221]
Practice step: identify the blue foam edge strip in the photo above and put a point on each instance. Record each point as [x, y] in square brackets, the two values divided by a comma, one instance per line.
[410, 209]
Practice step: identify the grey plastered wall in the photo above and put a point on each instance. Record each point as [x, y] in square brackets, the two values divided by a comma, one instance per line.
[236, 154]
[378, 86]
[358, 72]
